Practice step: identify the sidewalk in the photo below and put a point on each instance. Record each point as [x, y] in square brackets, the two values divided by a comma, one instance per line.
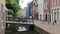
[52, 29]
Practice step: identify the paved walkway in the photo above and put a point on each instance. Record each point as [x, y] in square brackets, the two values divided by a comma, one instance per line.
[52, 29]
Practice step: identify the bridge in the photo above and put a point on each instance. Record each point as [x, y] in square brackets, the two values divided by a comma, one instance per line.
[24, 23]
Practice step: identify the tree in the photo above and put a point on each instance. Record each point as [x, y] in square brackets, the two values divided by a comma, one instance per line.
[13, 5]
[10, 12]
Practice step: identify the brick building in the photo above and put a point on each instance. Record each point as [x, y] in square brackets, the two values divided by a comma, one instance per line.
[55, 11]
[34, 9]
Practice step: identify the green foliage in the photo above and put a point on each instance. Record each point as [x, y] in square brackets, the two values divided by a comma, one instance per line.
[18, 13]
[13, 5]
[10, 12]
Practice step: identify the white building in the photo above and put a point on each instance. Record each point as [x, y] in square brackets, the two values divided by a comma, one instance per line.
[23, 12]
[40, 9]
[43, 9]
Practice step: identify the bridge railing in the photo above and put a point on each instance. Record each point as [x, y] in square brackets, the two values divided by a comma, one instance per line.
[19, 20]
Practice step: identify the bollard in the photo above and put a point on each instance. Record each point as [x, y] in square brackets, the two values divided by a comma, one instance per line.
[53, 23]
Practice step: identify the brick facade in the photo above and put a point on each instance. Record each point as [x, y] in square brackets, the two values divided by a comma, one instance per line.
[55, 11]
[2, 17]
[34, 9]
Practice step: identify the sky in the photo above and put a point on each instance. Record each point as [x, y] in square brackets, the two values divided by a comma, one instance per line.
[23, 3]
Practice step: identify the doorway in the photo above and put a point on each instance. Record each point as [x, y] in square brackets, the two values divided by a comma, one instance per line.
[55, 15]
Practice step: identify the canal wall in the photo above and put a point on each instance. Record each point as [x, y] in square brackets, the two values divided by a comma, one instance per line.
[40, 31]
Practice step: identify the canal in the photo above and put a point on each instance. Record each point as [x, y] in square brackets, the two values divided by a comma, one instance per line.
[26, 29]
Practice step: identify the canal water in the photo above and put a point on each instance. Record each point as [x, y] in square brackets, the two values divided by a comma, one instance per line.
[26, 32]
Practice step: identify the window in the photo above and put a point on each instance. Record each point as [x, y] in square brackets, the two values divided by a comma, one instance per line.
[53, 2]
[58, 2]
[45, 5]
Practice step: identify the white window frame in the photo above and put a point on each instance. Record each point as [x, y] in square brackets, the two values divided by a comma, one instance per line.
[53, 2]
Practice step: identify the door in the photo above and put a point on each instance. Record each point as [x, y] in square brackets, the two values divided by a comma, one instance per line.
[55, 15]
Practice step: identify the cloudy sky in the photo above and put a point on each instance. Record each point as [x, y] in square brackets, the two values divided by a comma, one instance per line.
[23, 3]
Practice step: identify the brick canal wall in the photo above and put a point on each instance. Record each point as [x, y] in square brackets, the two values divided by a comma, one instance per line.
[40, 31]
